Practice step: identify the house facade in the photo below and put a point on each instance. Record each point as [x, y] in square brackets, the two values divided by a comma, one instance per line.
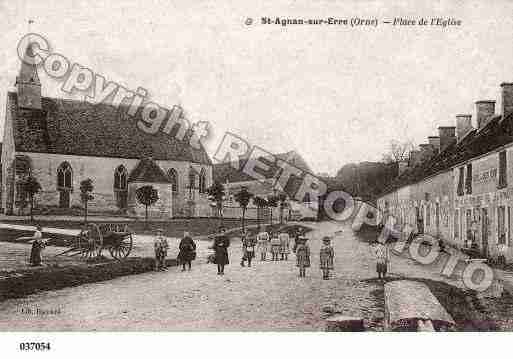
[63, 142]
[462, 191]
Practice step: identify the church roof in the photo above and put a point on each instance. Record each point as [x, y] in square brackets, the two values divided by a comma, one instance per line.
[147, 170]
[79, 128]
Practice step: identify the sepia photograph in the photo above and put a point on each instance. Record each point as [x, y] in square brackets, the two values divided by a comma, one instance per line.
[255, 167]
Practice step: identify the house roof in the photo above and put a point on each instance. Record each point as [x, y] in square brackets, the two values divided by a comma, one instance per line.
[495, 134]
[73, 127]
[147, 170]
[226, 172]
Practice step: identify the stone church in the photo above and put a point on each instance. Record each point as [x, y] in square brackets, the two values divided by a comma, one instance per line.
[61, 142]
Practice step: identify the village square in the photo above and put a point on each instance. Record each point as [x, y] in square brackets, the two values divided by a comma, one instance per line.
[315, 193]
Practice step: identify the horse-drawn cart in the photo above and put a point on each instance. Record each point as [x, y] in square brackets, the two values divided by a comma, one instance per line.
[94, 238]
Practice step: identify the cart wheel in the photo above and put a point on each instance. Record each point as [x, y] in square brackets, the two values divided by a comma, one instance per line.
[90, 242]
[122, 249]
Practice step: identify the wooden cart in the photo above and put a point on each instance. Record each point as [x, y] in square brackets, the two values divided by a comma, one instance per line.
[93, 239]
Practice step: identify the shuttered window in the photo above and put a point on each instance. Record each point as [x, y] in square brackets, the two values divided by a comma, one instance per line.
[460, 181]
[502, 170]
[468, 179]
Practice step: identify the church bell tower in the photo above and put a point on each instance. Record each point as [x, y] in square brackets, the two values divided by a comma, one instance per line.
[28, 84]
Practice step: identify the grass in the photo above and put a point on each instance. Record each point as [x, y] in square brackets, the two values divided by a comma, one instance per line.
[33, 280]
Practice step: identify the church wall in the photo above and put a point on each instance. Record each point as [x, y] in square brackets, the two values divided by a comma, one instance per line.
[101, 171]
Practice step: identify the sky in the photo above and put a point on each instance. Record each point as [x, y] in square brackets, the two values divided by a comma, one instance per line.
[334, 94]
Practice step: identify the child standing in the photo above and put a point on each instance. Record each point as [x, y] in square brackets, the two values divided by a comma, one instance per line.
[284, 245]
[302, 256]
[326, 257]
[382, 257]
[248, 249]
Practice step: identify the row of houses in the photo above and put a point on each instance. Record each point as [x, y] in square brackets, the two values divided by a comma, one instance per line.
[459, 185]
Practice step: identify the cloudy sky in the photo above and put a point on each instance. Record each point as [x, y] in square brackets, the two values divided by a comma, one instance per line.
[334, 94]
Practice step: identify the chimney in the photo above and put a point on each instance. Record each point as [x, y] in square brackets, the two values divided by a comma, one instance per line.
[484, 111]
[507, 99]
[463, 125]
[447, 136]
[435, 142]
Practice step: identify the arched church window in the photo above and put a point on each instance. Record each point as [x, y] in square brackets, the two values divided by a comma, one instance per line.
[121, 187]
[65, 176]
[120, 178]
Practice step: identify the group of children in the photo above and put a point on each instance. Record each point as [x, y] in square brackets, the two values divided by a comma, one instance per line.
[278, 244]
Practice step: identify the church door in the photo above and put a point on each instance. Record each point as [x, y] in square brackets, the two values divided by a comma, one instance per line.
[64, 199]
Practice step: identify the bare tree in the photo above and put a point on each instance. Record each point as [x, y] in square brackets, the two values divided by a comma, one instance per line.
[398, 151]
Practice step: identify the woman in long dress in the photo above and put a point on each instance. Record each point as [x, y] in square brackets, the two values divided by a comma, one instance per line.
[187, 252]
[221, 244]
[326, 257]
[36, 258]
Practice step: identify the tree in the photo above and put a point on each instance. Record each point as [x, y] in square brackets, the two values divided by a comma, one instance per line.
[260, 203]
[147, 196]
[272, 201]
[398, 151]
[243, 197]
[86, 189]
[216, 195]
[282, 200]
[31, 187]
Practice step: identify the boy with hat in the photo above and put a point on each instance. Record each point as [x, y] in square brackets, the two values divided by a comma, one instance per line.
[326, 257]
[161, 246]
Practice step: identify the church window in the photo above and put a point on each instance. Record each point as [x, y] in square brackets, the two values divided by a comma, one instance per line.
[64, 176]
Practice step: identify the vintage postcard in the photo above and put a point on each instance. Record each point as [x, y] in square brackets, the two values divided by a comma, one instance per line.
[255, 166]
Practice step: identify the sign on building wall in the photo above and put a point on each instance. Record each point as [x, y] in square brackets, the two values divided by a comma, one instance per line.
[485, 176]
